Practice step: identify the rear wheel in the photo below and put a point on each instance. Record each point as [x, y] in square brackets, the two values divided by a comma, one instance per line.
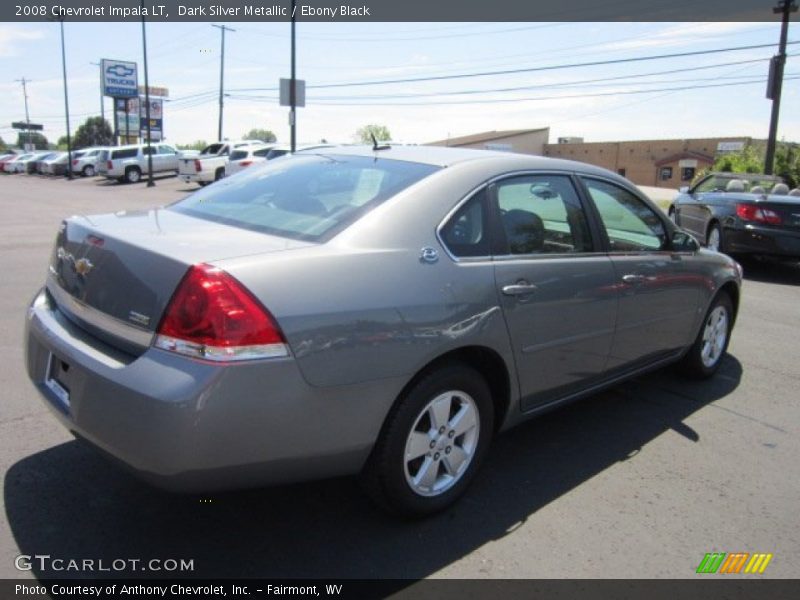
[705, 355]
[88, 171]
[219, 174]
[433, 443]
[133, 175]
[714, 238]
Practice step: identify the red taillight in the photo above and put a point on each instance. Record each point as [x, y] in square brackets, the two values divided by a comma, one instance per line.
[198, 166]
[245, 163]
[212, 316]
[75, 163]
[109, 166]
[753, 212]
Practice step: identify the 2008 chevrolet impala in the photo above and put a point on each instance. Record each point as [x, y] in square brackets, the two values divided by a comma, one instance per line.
[382, 311]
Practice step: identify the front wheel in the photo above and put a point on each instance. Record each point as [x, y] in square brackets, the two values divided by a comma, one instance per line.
[432, 444]
[705, 355]
[88, 171]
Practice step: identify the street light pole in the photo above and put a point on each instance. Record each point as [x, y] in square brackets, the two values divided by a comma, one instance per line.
[150, 182]
[776, 82]
[66, 101]
[293, 88]
[223, 29]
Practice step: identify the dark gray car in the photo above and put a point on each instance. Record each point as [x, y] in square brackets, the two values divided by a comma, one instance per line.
[351, 310]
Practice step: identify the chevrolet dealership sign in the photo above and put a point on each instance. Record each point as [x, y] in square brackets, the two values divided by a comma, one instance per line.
[119, 78]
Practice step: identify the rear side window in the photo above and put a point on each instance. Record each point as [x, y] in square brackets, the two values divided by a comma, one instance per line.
[262, 152]
[275, 153]
[238, 154]
[212, 149]
[631, 225]
[125, 153]
[304, 197]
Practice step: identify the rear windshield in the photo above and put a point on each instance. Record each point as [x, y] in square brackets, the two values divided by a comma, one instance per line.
[275, 153]
[305, 197]
[238, 155]
[213, 149]
[126, 153]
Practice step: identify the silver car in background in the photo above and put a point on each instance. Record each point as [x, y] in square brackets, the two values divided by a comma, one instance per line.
[382, 311]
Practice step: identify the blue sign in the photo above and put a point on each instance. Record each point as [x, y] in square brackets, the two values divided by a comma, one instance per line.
[119, 78]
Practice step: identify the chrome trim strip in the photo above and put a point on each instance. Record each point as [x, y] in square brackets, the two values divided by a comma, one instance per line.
[99, 319]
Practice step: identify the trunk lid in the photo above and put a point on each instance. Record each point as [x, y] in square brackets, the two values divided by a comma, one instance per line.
[114, 274]
[788, 207]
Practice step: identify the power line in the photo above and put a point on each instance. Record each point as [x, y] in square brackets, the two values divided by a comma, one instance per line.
[548, 67]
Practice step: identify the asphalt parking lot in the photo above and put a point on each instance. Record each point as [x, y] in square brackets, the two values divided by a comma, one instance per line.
[637, 482]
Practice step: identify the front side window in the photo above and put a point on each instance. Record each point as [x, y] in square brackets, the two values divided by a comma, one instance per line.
[541, 214]
[631, 225]
[166, 150]
[304, 197]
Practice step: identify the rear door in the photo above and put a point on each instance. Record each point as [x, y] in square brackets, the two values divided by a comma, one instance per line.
[659, 290]
[556, 286]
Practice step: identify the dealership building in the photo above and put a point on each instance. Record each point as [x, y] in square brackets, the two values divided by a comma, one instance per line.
[658, 163]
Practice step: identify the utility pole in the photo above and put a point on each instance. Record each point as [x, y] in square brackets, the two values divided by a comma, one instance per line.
[102, 104]
[66, 101]
[24, 82]
[775, 85]
[150, 182]
[223, 29]
[293, 88]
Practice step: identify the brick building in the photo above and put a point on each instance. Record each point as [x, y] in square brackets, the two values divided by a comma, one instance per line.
[524, 141]
[659, 163]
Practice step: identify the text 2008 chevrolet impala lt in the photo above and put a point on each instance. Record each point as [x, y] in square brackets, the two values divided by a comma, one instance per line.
[382, 311]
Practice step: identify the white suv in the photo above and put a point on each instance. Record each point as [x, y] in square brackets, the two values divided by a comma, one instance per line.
[129, 163]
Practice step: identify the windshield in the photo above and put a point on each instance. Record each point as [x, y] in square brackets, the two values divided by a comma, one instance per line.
[306, 197]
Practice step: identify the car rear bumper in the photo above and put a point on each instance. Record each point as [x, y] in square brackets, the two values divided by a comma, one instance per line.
[189, 425]
[762, 240]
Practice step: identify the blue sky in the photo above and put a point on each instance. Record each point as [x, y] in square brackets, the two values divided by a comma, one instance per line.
[573, 102]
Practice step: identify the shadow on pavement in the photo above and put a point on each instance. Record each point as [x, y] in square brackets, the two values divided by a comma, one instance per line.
[771, 271]
[69, 503]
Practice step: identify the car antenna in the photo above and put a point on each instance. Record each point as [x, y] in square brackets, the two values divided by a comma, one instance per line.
[375, 145]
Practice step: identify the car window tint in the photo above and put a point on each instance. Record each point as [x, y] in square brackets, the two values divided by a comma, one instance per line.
[238, 154]
[262, 152]
[166, 150]
[631, 225]
[212, 149]
[304, 197]
[466, 234]
[541, 214]
[124, 153]
[149, 150]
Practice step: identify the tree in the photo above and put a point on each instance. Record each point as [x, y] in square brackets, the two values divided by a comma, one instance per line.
[265, 135]
[751, 160]
[381, 133]
[95, 131]
[196, 145]
[61, 144]
[3, 146]
[32, 137]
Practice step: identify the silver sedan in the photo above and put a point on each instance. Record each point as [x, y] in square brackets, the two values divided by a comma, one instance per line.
[382, 311]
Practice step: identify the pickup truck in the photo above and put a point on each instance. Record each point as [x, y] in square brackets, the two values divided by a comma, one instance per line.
[209, 166]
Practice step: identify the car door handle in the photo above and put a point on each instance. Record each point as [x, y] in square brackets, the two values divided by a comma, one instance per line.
[633, 279]
[519, 289]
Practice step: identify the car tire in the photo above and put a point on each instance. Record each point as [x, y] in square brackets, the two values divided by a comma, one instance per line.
[88, 171]
[704, 357]
[133, 175]
[714, 239]
[446, 416]
[219, 174]
[202, 183]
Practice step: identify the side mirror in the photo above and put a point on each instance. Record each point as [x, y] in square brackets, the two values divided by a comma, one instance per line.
[684, 242]
[684, 189]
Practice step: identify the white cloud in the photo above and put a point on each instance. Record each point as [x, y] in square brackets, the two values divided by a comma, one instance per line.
[11, 38]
